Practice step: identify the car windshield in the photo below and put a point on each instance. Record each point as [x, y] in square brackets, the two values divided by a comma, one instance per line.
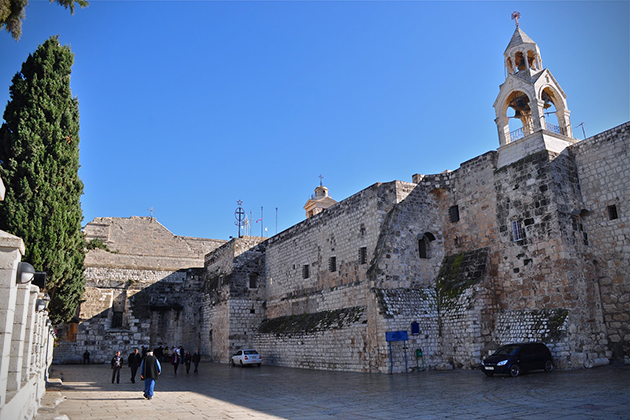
[251, 352]
[507, 350]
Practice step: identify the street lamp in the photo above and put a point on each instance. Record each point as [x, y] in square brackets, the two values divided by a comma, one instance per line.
[40, 305]
[25, 273]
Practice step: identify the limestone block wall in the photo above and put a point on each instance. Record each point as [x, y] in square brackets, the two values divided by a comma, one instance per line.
[215, 330]
[157, 307]
[246, 315]
[543, 268]
[323, 251]
[546, 326]
[142, 289]
[331, 340]
[324, 300]
[397, 310]
[397, 261]
[603, 166]
[234, 296]
[143, 242]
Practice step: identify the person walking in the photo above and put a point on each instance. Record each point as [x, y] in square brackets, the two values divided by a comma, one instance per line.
[86, 357]
[150, 369]
[175, 359]
[196, 358]
[117, 363]
[187, 360]
[133, 361]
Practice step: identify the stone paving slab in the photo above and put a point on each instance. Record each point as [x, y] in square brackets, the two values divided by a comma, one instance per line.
[269, 392]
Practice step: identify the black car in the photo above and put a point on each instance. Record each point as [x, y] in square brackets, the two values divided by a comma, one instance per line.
[517, 358]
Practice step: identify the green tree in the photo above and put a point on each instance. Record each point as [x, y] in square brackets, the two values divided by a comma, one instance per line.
[39, 164]
[12, 13]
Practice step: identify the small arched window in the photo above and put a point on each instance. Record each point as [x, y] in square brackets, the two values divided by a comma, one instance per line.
[424, 245]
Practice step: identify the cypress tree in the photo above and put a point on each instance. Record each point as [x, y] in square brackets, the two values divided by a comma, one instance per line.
[39, 164]
[12, 13]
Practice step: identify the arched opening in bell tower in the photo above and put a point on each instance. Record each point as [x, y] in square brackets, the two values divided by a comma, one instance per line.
[550, 110]
[520, 122]
[519, 58]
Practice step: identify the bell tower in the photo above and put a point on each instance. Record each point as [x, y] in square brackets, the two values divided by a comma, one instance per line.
[531, 105]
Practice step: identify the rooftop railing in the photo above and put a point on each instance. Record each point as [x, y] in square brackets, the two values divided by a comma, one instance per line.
[520, 133]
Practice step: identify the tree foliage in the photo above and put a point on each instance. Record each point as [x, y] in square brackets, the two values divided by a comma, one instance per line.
[39, 164]
[12, 13]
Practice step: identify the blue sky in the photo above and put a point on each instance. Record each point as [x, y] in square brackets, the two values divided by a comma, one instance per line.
[188, 106]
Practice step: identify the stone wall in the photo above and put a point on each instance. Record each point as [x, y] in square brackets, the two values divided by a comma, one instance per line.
[143, 288]
[603, 166]
[545, 269]
[234, 296]
[475, 258]
[157, 308]
[332, 340]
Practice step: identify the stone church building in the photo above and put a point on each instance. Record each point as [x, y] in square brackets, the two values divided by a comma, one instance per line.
[529, 242]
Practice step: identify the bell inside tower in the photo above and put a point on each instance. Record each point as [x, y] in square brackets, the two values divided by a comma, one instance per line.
[521, 121]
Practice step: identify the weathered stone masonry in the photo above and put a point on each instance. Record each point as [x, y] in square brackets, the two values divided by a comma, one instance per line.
[142, 288]
[526, 243]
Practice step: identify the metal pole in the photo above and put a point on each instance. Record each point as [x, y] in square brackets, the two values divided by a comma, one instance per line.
[405, 350]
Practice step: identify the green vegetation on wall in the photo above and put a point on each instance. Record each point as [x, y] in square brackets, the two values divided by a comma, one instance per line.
[307, 323]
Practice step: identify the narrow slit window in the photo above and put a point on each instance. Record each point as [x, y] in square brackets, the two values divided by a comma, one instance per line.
[363, 255]
[518, 234]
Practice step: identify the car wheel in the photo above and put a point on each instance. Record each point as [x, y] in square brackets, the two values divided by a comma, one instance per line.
[515, 370]
[489, 374]
[258, 364]
[232, 362]
[548, 366]
[241, 362]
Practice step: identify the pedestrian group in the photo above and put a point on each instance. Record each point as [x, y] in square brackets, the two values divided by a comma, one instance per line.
[150, 364]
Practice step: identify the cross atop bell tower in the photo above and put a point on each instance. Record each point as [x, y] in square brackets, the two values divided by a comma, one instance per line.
[530, 101]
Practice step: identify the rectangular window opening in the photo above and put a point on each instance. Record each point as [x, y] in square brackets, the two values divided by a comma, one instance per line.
[253, 281]
[612, 212]
[306, 271]
[117, 319]
[332, 264]
[453, 214]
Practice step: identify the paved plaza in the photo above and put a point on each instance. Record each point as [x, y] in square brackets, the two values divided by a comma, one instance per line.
[220, 392]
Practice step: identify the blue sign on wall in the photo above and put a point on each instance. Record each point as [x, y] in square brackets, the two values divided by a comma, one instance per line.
[396, 336]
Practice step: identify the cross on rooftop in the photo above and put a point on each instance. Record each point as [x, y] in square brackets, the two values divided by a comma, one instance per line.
[515, 16]
[320, 180]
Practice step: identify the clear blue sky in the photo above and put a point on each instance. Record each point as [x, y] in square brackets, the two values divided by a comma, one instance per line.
[189, 106]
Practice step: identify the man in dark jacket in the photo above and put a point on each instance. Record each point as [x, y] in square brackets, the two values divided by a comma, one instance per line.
[150, 369]
[117, 364]
[133, 362]
[196, 359]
